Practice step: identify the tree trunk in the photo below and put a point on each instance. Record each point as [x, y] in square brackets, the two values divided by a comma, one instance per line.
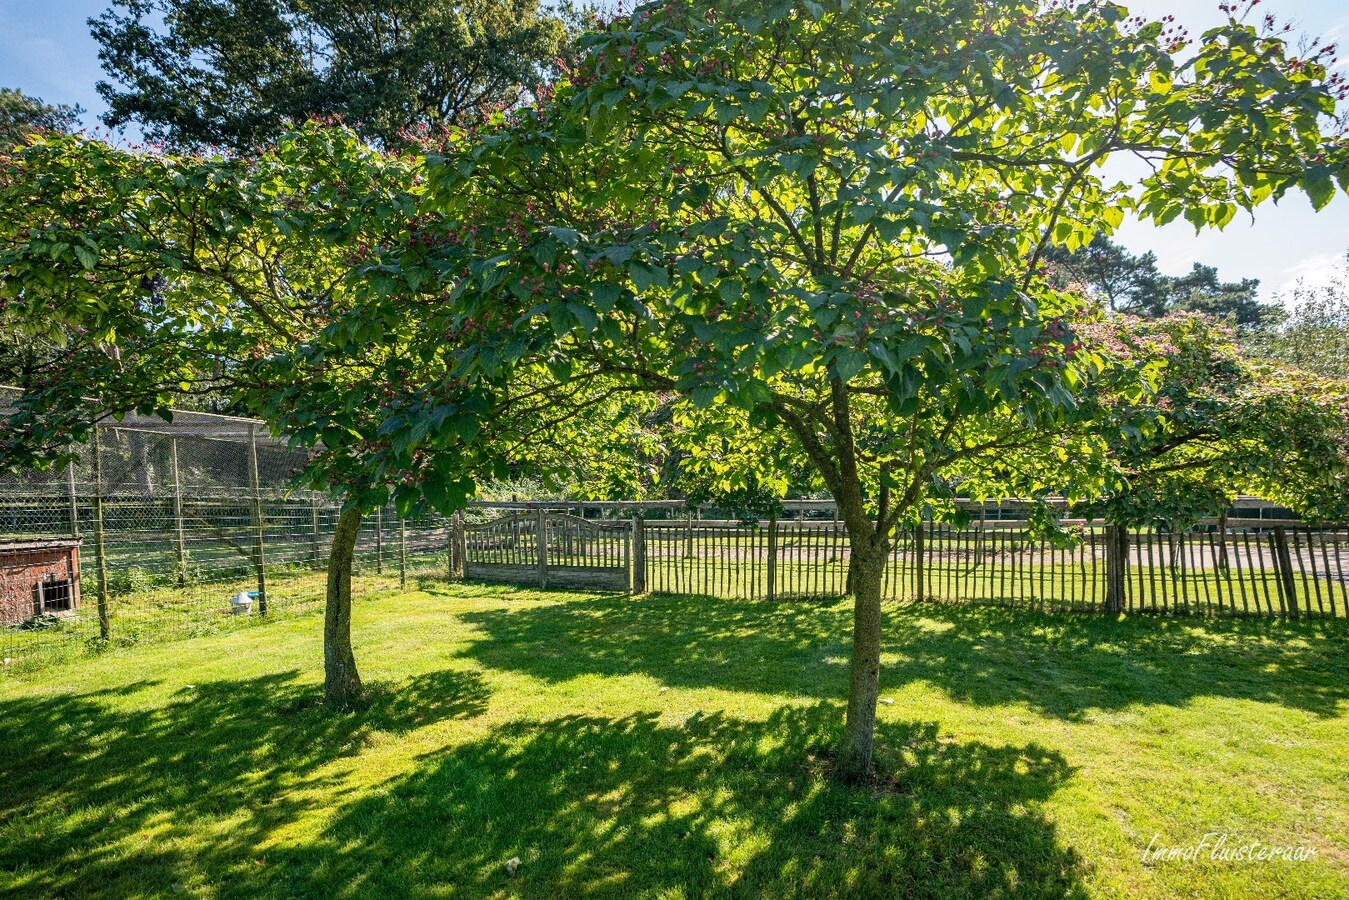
[854, 763]
[341, 681]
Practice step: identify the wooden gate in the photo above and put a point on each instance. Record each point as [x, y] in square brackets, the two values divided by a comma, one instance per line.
[550, 550]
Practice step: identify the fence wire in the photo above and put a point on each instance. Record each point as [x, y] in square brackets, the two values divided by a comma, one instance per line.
[169, 529]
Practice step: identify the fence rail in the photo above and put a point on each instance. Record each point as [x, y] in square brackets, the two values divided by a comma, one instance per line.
[1244, 566]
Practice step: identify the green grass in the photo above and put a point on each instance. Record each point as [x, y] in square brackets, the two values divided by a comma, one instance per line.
[678, 747]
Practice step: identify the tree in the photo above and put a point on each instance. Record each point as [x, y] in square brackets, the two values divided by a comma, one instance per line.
[231, 73]
[1110, 274]
[1314, 333]
[21, 115]
[1233, 301]
[172, 276]
[1125, 283]
[826, 222]
[177, 276]
[1217, 425]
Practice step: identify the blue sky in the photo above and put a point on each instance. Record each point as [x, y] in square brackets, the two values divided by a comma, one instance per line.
[45, 49]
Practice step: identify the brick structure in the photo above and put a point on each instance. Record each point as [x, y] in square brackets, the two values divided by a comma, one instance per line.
[38, 577]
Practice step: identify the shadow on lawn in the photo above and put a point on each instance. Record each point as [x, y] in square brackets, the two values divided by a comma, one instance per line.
[638, 805]
[1058, 665]
[221, 750]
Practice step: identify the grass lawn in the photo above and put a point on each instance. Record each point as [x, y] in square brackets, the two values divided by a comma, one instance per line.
[679, 747]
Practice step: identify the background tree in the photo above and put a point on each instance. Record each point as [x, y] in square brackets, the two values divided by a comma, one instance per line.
[1314, 335]
[1111, 275]
[826, 222]
[21, 115]
[1218, 425]
[1235, 302]
[231, 73]
[1123, 282]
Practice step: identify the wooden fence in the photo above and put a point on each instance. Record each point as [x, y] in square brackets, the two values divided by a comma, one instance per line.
[549, 550]
[1250, 566]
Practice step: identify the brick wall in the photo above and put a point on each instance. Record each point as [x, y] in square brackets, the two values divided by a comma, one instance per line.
[25, 565]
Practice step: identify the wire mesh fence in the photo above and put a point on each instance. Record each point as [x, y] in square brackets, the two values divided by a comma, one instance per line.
[166, 529]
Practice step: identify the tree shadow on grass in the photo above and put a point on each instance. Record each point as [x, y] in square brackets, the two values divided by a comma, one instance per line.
[1064, 665]
[93, 797]
[707, 805]
[1058, 665]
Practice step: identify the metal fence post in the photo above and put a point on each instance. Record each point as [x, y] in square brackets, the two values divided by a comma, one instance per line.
[314, 531]
[100, 557]
[180, 538]
[259, 551]
[74, 502]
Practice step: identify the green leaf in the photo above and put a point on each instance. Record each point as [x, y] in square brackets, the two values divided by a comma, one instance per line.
[729, 290]
[1320, 189]
[703, 395]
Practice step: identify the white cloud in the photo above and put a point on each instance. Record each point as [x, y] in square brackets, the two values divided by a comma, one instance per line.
[1314, 271]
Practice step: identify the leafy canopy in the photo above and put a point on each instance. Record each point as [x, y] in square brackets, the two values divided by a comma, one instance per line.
[1218, 424]
[21, 115]
[230, 73]
[826, 221]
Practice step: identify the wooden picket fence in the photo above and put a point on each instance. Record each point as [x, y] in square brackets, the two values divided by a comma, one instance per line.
[1249, 567]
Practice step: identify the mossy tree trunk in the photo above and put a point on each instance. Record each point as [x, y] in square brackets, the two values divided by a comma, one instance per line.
[867, 573]
[341, 681]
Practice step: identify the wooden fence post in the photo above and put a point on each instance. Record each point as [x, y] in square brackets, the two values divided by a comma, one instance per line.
[541, 541]
[638, 555]
[688, 536]
[919, 569]
[1284, 567]
[402, 552]
[179, 535]
[259, 549]
[379, 540]
[772, 557]
[1222, 562]
[458, 546]
[1116, 567]
[313, 531]
[100, 557]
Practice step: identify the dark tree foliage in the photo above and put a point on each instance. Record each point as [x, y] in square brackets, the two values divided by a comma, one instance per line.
[1132, 284]
[1112, 275]
[21, 115]
[1202, 291]
[230, 73]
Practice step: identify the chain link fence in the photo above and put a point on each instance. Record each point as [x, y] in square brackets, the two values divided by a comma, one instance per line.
[166, 529]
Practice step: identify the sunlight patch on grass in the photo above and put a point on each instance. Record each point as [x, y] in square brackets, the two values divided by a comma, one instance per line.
[676, 746]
